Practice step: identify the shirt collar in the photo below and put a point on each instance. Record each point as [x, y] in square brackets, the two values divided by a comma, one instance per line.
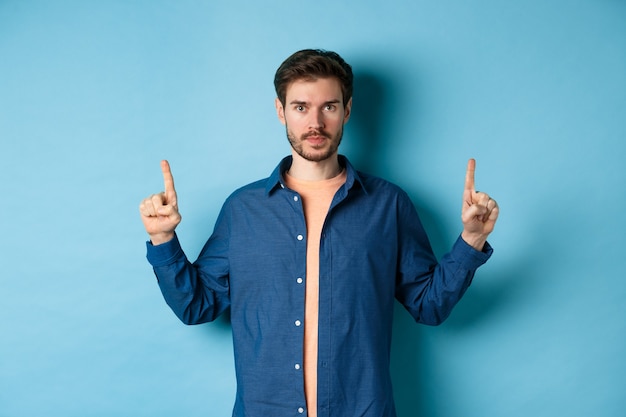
[276, 179]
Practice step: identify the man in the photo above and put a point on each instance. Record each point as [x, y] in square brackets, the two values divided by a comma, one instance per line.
[310, 260]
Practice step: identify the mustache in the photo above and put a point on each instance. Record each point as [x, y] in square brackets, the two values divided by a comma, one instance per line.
[316, 133]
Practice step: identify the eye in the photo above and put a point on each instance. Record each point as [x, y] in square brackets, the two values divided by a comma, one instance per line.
[330, 107]
[300, 108]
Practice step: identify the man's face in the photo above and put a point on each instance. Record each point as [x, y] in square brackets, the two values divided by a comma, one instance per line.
[314, 116]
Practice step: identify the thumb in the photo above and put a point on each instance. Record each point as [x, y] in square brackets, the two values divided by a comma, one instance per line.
[472, 212]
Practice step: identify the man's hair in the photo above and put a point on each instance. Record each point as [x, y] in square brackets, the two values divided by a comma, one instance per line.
[309, 65]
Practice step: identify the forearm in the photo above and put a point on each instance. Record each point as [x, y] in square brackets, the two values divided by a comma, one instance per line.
[182, 284]
[431, 296]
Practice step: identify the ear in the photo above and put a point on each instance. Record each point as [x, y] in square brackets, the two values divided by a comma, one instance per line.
[280, 110]
[347, 110]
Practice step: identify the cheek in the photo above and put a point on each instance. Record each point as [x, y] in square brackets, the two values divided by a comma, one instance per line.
[294, 121]
[336, 123]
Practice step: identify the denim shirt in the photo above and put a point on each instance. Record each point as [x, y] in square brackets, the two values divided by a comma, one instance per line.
[373, 250]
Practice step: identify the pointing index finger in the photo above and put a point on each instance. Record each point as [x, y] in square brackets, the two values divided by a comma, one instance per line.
[168, 180]
[469, 176]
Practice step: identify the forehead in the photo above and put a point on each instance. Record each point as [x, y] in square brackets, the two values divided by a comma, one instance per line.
[318, 89]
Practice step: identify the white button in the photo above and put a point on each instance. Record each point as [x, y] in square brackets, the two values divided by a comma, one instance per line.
[300, 237]
[300, 410]
[297, 366]
[298, 323]
[299, 280]
[295, 198]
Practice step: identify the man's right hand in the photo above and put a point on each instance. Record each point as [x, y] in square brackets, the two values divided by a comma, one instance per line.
[159, 212]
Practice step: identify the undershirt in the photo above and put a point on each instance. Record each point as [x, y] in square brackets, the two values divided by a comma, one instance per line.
[316, 199]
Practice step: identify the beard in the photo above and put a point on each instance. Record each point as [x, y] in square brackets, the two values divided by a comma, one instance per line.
[319, 153]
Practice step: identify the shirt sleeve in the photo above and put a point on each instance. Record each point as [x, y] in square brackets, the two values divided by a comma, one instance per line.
[427, 288]
[196, 292]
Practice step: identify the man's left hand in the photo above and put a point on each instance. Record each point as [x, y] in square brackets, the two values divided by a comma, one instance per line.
[479, 212]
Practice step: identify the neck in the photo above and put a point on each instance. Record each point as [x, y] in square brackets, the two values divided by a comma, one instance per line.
[303, 169]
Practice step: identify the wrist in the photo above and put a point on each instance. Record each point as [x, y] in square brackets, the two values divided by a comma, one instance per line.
[477, 241]
[160, 238]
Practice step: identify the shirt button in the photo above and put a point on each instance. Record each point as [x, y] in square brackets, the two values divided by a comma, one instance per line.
[295, 198]
[299, 280]
[300, 410]
[298, 323]
[300, 237]
[297, 366]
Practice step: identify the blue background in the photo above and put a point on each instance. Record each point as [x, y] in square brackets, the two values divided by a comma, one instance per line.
[94, 94]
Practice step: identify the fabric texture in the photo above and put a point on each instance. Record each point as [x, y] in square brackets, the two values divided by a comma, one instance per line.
[373, 250]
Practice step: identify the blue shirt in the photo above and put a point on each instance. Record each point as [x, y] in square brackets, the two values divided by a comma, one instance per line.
[373, 250]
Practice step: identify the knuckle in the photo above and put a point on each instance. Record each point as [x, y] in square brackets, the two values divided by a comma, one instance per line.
[156, 199]
[144, 206]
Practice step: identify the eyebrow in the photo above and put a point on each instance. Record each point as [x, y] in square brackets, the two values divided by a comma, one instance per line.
[299, 102]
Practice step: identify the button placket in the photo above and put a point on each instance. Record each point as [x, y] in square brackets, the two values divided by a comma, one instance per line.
[299, 280]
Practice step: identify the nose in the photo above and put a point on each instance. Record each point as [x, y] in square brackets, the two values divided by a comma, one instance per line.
[316, 121]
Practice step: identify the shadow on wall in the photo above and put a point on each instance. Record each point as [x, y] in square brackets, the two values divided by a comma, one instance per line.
[365, 123]
[372, 95]
[412, 368]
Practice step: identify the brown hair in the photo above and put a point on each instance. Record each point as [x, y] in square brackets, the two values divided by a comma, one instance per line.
[310, 64]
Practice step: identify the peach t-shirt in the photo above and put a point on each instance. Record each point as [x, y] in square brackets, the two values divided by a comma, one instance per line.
[316, 199]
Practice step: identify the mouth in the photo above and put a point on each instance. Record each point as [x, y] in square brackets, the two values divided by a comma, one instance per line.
[316, 138]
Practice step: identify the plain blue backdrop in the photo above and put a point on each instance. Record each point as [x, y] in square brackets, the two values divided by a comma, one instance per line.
[94, 93]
